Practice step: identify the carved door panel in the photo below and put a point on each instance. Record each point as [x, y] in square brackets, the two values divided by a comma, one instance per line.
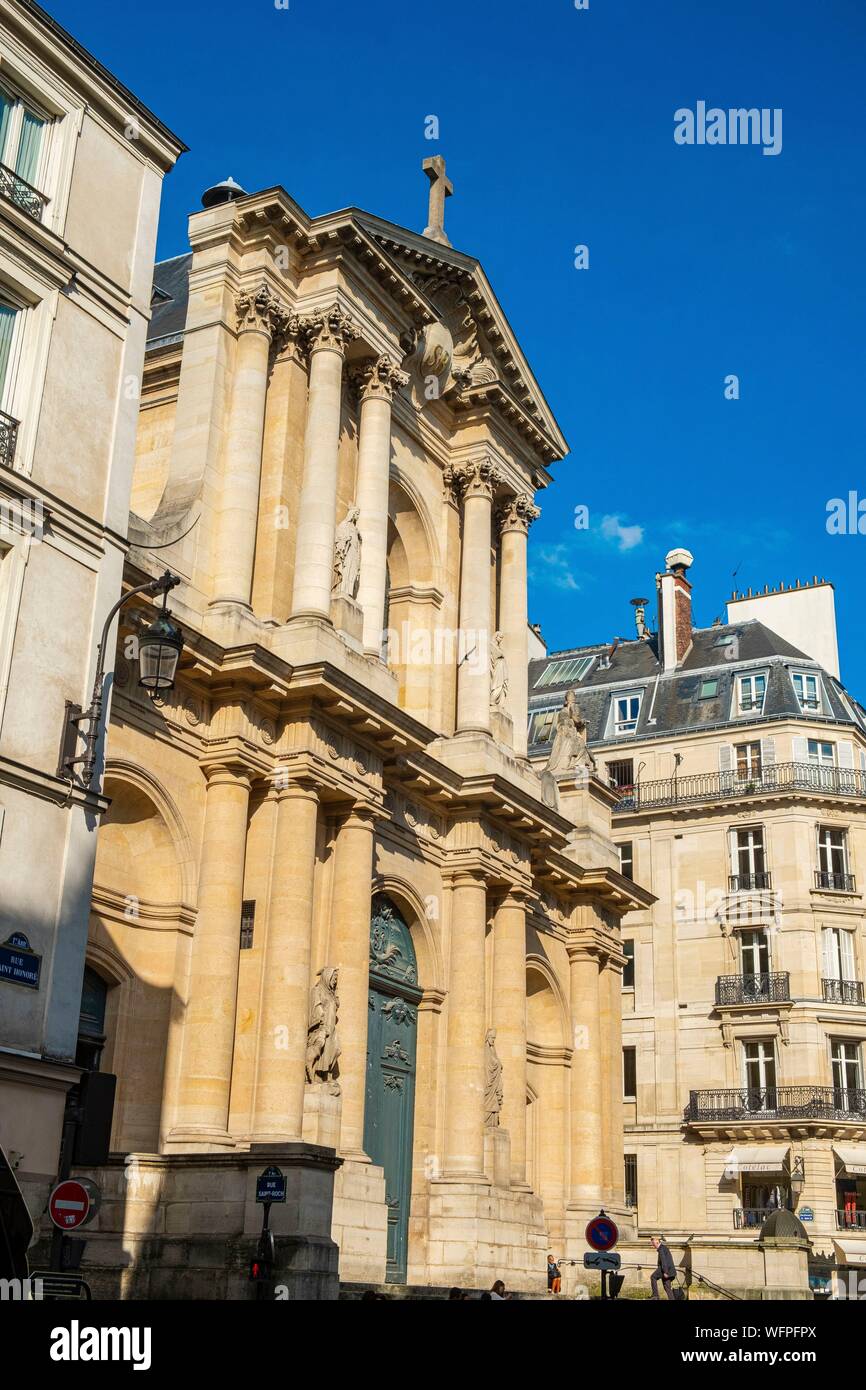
[390, 1099]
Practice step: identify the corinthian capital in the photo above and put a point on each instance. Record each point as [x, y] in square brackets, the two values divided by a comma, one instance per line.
[480, 478]
[517, 513]
[379, 379]
[262, 312]
[329, 329]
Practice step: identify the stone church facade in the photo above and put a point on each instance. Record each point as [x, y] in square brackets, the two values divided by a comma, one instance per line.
[333, 911]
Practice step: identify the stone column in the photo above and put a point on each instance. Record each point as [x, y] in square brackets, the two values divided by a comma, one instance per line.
[465, 1073]
[377, 382]
[263, 324]
[476, 481]
[514, 520]
[209, 1023]
[587, 1109]
[616, 1128]
[327, 333]
[509, 1020]
[349, 950]
[285, 1005]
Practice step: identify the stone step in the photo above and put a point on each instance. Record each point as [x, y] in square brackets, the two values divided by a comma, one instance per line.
[422, 1293]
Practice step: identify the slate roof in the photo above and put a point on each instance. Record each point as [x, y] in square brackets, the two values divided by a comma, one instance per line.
[672, 699]
[170, 299]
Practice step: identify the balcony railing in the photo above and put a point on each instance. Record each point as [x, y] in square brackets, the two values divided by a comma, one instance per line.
[851, 1220]
[22, 193]
[777, 1102]
[723, 786]
[754, 989]
[746, 883]
[842, 991]
[833, 882]
[8, 439]
[747, 1218]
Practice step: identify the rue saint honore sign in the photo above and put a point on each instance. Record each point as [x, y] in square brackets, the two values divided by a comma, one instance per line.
[19, 963]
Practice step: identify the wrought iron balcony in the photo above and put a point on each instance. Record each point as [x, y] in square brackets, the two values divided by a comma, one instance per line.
[834, 883]
[8, 439]
[749, 1218]
[754, 989]
[777, 1103]
[851, 1220]
[22, 193]
[843, 991]
[732, 786]
[748, 883]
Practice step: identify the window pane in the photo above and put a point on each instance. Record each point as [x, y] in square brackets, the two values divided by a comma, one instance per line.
[5, 119]
[628, 968]
[27, 163]
[7, 328]
[629, 1073]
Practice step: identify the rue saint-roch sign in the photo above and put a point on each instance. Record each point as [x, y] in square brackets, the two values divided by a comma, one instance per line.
[19, 963]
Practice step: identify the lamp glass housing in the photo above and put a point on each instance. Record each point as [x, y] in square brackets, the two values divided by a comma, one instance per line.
[159, 649]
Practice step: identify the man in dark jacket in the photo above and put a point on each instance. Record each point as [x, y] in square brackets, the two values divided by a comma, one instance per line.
[665, 1271]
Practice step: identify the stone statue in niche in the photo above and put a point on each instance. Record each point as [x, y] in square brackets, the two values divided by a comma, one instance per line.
[347, 555]
[498, 673]
[492, 1080]
[570, 749]
[323, 1046]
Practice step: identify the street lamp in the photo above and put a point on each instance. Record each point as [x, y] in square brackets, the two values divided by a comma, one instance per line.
[797, 1180]
[159, 649]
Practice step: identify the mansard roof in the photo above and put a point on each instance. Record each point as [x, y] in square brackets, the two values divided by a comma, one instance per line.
[672, 701]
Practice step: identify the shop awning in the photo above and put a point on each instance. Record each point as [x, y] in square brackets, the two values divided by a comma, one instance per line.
[852, 1157]
[850, 1252]
[756, 1158]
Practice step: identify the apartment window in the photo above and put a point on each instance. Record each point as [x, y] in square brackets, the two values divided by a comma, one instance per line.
[628, 968]
[621, 773]
[565, 672]
[759, 1071]
[10, 319]
[806, 689]
[626, 709]
[832, 857]
[754, 953]
[838, 954]
[22, 132]
[629, 1073]
[820, 753]
[752, 690]
[847, 1074]
[630, 1180]
[708, 690]
[541, 722]
[749, 859]
[626, 859]
[748, 761]
[248, 923]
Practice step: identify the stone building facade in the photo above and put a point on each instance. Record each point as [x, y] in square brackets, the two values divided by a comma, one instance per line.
[334, 905]
[739, 761]
[81, 169]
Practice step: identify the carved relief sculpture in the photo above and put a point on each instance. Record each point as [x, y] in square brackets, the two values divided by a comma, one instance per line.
[323, 1047]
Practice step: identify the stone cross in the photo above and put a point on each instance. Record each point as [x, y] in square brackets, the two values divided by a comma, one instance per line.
[440, 189]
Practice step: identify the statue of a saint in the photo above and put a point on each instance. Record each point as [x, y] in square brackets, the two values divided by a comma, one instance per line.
[498, 673]
[323, 1047]
[569, 749]
[347, 555]
[492, 1080]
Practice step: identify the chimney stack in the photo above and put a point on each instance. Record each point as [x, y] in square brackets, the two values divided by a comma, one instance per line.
[675, 608]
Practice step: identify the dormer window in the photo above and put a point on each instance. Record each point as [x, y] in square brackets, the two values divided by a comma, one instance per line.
[807, 690]
[751, 691]
[567, 672]
[626, 711]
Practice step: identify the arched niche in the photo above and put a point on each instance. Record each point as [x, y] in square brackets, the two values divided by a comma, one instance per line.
[413, 600]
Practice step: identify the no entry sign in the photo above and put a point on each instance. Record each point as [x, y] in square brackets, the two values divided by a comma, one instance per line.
[69, 1205]
[602, 1233]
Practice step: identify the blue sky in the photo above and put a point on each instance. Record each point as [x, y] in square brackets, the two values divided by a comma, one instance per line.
[704, 261]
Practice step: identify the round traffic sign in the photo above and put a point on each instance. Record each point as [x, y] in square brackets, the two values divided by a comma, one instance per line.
[69, 1204]
[602, 1233]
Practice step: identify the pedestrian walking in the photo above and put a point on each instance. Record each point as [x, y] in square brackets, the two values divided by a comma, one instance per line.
[665, 1271]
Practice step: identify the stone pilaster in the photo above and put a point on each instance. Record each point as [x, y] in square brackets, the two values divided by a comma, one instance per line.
[612, 976]
[326, 333]
[350, 951]
[263, 324]
[587, 1102]
[514, 518]
[201, 1120]
[475, 482]
[280, 1071]
[377, 382]
[465, 1071]
[509, 1020]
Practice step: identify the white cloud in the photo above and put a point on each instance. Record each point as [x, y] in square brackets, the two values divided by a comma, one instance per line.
[556, 567]
[626, 537]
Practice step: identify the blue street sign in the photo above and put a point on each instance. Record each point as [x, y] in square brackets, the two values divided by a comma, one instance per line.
[19, 963]
[602, 1259]
[271, 1186]
[602, 1233]
[806, 1214]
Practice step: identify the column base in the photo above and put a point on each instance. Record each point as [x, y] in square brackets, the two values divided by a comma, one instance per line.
[469, 1234]
[200, 1139]
[360, 1224]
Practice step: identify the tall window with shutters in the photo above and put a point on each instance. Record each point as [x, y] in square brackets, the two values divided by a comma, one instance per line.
[838, 963]
[747, 767]
[10, 331]
[23, 142]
